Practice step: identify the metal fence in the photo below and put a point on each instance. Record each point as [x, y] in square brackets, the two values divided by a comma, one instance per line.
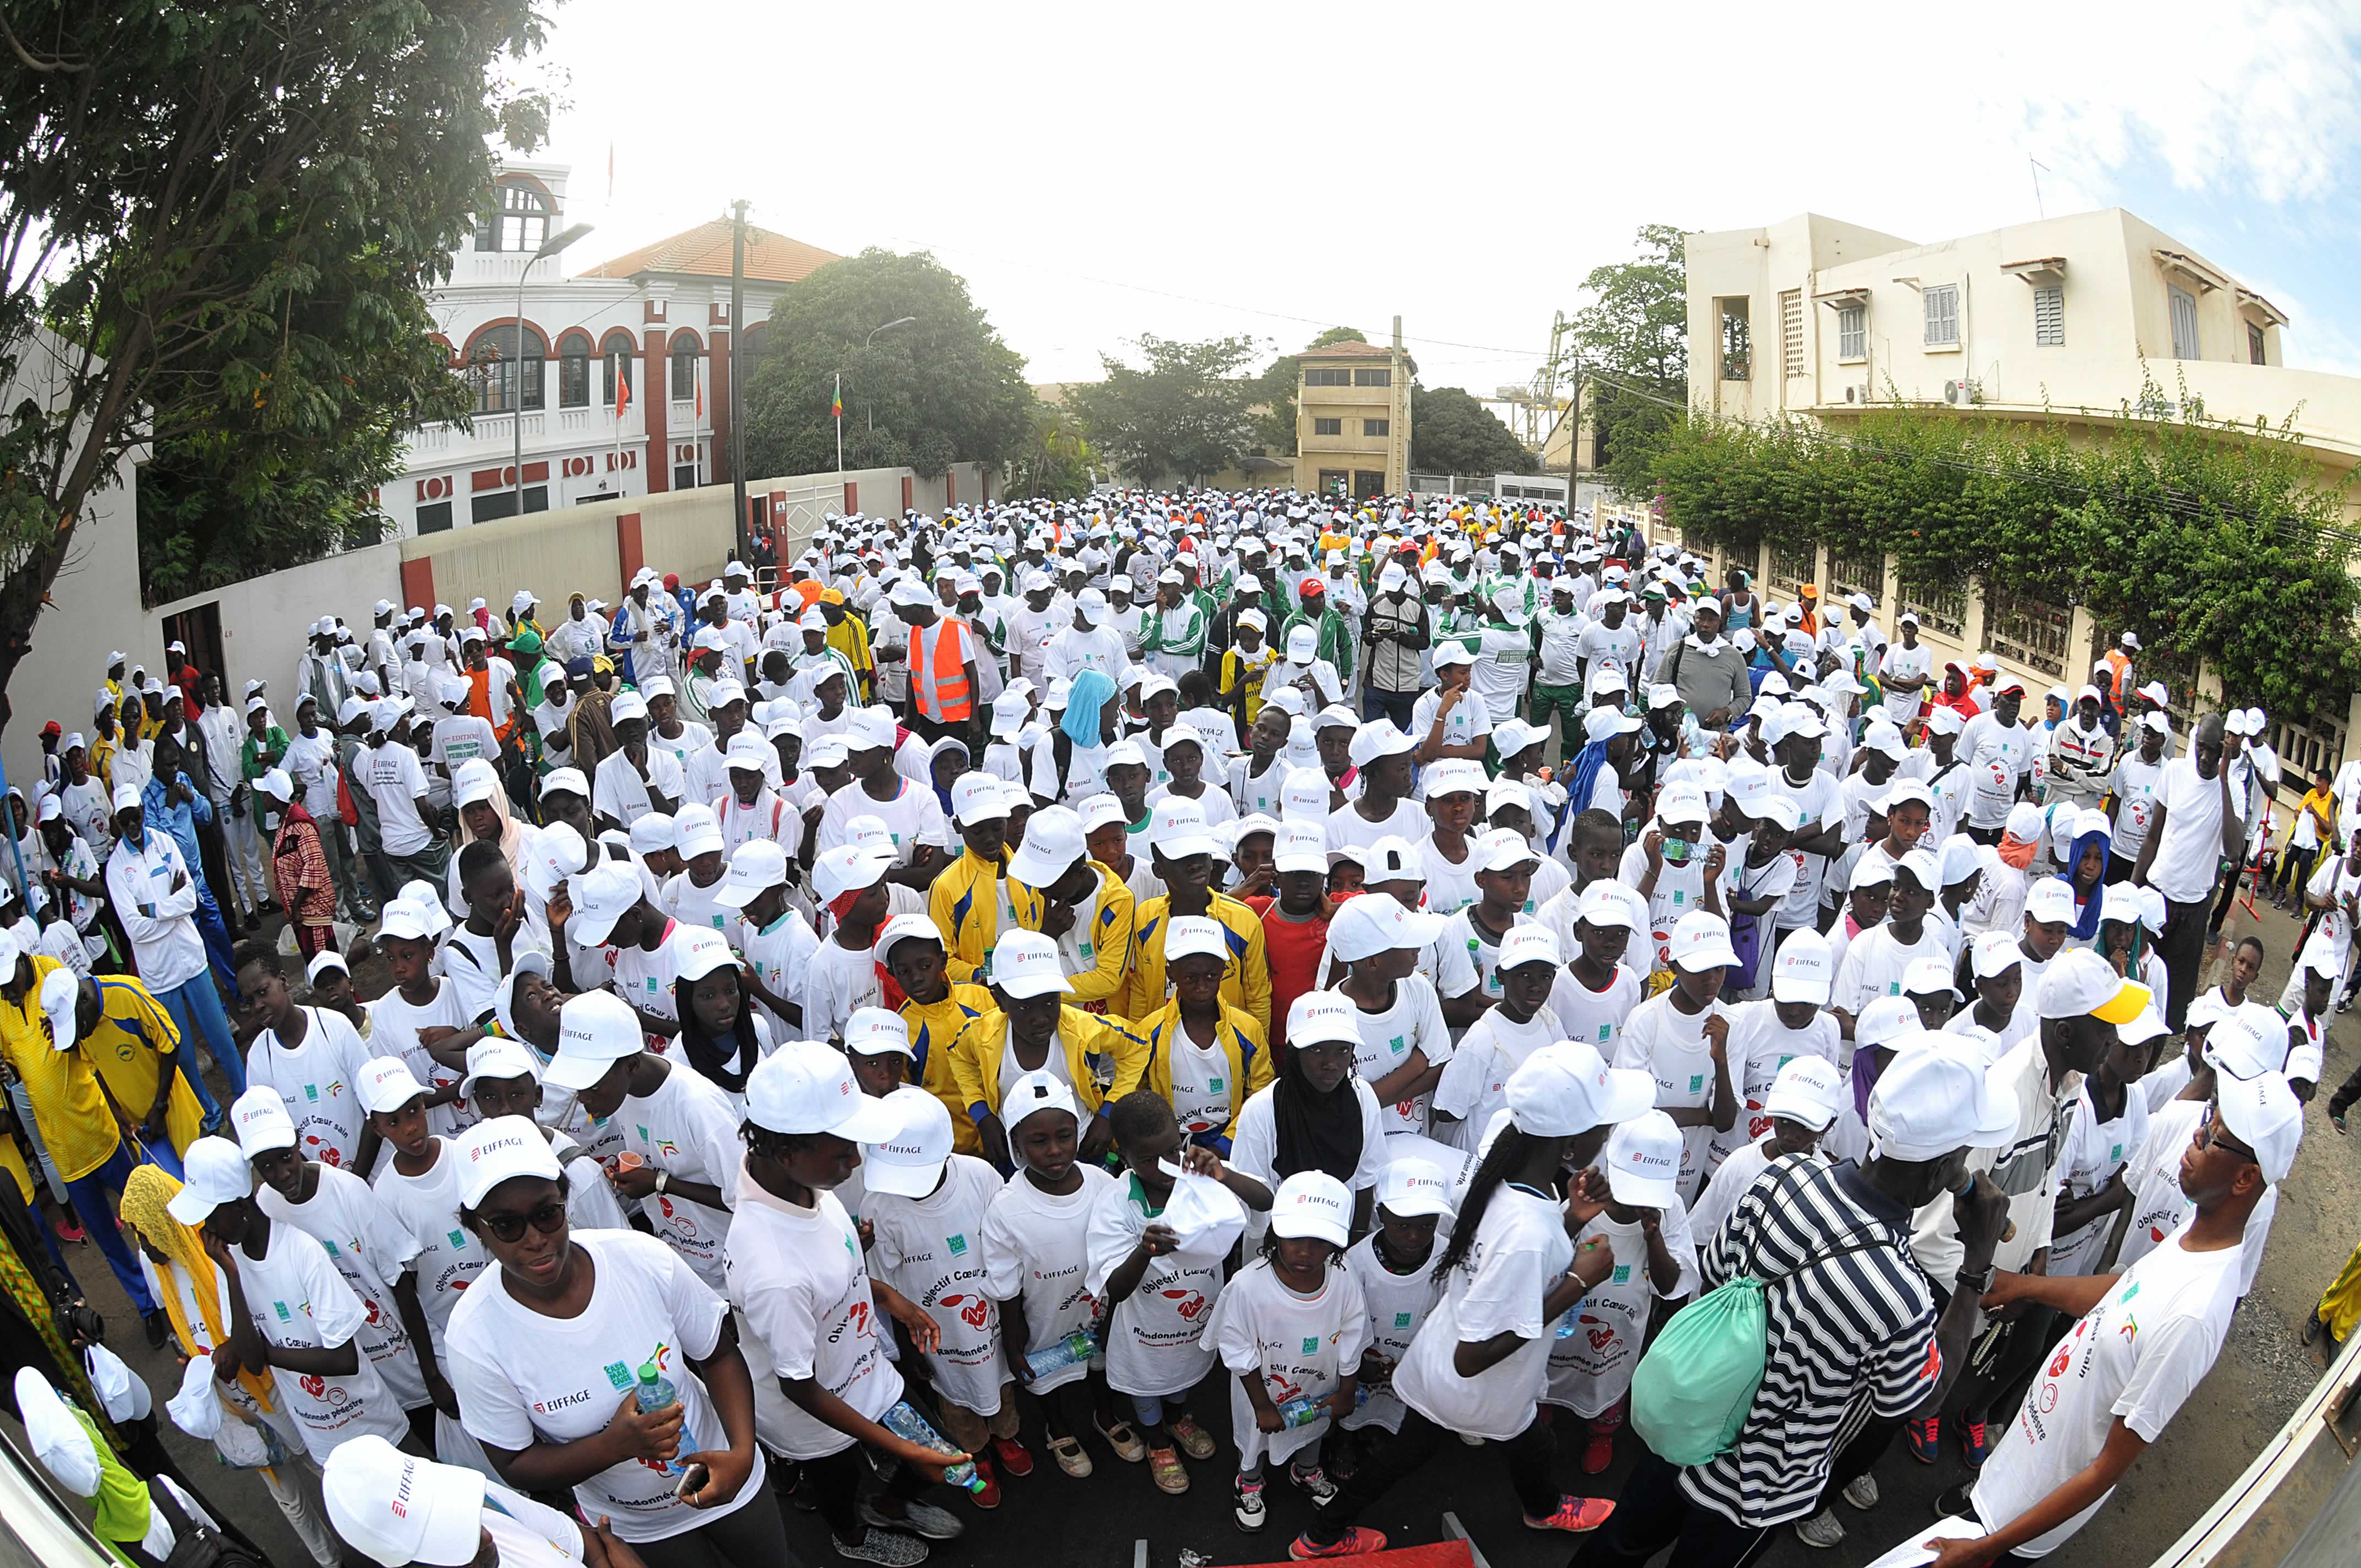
[1859, 572]
[1939, 607]
[1792, 565]
[2030, 631]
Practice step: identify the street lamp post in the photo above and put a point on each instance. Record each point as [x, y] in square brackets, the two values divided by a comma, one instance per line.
[549, 248]
[868, 411]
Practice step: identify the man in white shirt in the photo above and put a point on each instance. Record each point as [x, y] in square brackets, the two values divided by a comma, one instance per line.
[2196, 828]
[155, 896]
[1998, 752]
[1089, 642]
[409, 828]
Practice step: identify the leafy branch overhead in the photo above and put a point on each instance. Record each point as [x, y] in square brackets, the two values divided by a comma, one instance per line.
[2213, 539]
[1182, 416]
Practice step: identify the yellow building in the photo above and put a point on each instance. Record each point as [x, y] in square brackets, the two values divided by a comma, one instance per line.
[1352, 419]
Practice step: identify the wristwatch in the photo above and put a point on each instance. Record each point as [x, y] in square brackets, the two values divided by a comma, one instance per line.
[664, 1180]
[1978, 1283]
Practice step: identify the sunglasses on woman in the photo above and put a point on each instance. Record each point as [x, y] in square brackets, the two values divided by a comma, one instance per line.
[548, 1219]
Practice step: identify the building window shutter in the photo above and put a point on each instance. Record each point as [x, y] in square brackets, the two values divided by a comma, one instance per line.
[2254, 344]
[2049, 315]
[2184, 323]
[1852, 333]
[1791, 332]
[1943, 315]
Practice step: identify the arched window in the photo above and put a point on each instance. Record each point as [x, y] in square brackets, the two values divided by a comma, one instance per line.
[684, 367]
[574, 370]
[621, 351]
[516, 218]
[505, 380]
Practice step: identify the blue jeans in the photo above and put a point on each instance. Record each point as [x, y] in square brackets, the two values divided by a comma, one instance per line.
[90, 1195]
[196, 1012]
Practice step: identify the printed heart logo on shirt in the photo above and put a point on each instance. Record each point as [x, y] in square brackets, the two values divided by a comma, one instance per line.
[313, 1385]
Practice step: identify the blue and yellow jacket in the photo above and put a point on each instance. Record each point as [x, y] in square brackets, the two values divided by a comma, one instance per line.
[1240, 1039]
[1246, 981]
[966, 911]
[1107, 944]
[977, 1054]
[933, 1029]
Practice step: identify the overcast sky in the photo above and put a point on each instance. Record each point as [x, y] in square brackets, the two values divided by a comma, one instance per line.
[1097, 172]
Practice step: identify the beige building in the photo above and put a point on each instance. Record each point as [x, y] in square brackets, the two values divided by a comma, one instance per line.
[1352, 419]
[2067, 318]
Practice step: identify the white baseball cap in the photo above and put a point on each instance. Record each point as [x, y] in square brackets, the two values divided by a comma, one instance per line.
[1932, 1100]
[595, 1031]
[1053, 842]
[1567, 1088]
[873, 1031]
[1031, 1093]
[908, 1159]
[397, 1509]
[386, 1085]
[805, 1087]
[1601, 905]
[1367, 927]
[1808, 1089]
[2263, 1113]
[1994, 954]
[1411, 1187]
[1501, 848]
[755, 867]
[1299, 846]
[977, 797]
[497, 1057]
[1643, 1161]
[1323, 1017]
[1701, 941]
[697, 831]
[2050, 902]
[1027, 963]
[214, 1172]
[1801, 971]
[498, 1149]
[1378, 738]
[259, 1119]
[1198, 935]
[849, 868]
[1309, 1204]
[1178, 829]
[61, 992]
[601, 896]
[2243, 1042]
[1531, 942]
[2081, 982]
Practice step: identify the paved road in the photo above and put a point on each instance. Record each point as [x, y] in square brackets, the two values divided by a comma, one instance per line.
[1048, 1518]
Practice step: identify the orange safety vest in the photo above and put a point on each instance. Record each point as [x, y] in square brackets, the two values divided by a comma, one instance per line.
[940, 670]
[2118, 663]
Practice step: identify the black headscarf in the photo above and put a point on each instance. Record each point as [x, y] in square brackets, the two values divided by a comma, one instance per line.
[726, 1061]
[1314, 1131]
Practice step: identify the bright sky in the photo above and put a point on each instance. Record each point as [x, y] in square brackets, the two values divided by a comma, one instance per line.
[1098, 171]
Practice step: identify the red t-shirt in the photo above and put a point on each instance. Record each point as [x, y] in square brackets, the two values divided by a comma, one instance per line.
[1293, 950]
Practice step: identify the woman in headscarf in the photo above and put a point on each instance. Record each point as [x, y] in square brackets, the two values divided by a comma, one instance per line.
[1073, 766]
[2085, 869]
[1316, 1115]
[947, 758]
[485, 814]
[182, 1277]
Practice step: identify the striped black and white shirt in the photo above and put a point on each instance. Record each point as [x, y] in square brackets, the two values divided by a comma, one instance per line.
[1849, 1338]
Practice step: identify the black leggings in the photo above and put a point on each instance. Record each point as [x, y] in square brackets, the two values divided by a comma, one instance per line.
[834, 1486]
[1530, 1453]
[1654, 1513]
[747, 1536]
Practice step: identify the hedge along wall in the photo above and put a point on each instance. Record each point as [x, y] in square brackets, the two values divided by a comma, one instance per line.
[2218, 543]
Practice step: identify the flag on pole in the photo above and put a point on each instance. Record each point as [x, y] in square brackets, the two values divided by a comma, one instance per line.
[837, 412]
[700, 400]
[622, 395]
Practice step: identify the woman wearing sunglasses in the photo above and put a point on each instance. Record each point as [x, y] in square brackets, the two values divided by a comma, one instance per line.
[551, 1351]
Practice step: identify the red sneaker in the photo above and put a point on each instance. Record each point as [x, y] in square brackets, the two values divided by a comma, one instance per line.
[1358, 1541]
[1576, 1516]
[988, 1495]
[1014, 1459]
[70, 1231]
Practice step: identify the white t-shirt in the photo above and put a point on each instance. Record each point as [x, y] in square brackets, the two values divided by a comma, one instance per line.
[1670, 1046]
[1347, 829]
[1450, 885]
[298, 1301]
[1875, 962]
[1518, 1252]
[2186, 860]
[1474, 1080]
[1918, 660]
[2159, 1208]
[1156, 1341]
[2094, 1151]
[2138, 1355]
[371, 1249]
[1819, 799]
[1470, 719]
[396, 782]
[449, 1258]
[1254, 1142]
[1997, 756]
[317, 1080]
[688, 1128]
[1731, 1181]
[2134, 784]
[1034, 1246]
[1413, 1023]
[618, 792]
[393, 1032]
[1303, 1346]
[837, 979]
[644, 978]
[931, 1250]
[1759, 1047]
[801, 1289]
[522, 1376]
[1590, 1369]
[781, 953]
[914, 817]
[1398, 1304]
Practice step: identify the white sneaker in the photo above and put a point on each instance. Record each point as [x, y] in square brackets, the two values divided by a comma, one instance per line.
[1862, 1492]
[1821, 1530]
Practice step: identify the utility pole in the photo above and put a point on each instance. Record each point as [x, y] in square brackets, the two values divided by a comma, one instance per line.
[738, 374]
[1573, 433]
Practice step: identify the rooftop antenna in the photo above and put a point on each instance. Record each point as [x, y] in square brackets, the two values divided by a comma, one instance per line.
[2038, 168]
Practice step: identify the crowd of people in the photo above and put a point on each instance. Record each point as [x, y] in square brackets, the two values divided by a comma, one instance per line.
[1036, 981]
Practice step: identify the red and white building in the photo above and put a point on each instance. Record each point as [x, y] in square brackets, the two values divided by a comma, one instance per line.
[647, 333]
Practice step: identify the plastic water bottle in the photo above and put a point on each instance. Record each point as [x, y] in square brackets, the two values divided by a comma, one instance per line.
[655, 1392]
[911, 1427]
[1306, 1410]
[1566, 1326]
[1076, 1347]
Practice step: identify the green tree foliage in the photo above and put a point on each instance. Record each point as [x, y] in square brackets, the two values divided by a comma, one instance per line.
[1451, 432]
[1055, 462]
[1275, 429]
[943, 390]
[1183, 416]
[2211, 540]
[1634, 334]
[218, 212]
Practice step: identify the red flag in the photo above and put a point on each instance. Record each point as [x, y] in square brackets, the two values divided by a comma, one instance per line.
[700, 400]
[622, 396]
